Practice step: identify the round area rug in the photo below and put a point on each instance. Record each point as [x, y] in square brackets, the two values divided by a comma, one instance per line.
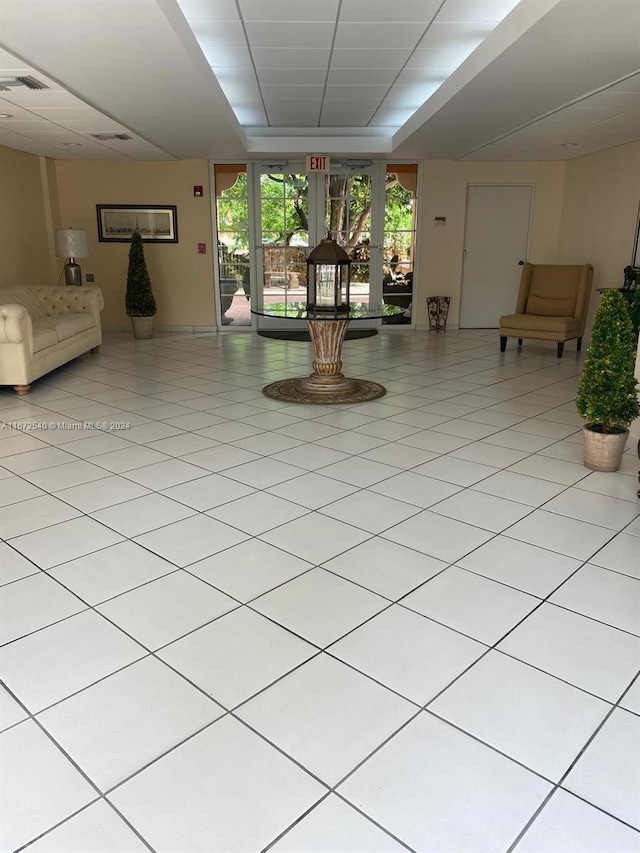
[299, 391]
[303, 334]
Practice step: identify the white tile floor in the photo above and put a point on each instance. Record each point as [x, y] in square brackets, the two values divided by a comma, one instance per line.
[241, 625]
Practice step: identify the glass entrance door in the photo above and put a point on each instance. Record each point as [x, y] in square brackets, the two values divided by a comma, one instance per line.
[268, 217]
[348, 220]
[295, 210]
[284, 197]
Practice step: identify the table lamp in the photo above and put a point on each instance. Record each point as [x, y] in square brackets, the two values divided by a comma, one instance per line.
[72, 243]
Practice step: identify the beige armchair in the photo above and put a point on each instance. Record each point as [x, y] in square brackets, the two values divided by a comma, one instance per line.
[553, 302]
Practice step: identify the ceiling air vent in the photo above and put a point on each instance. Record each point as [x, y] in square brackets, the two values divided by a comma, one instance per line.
[105, 137]
[9, 83]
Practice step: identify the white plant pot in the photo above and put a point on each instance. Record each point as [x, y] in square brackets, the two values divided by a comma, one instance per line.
[603, 450]
[142, 327]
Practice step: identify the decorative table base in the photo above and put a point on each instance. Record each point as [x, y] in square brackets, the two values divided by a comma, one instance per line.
[326, 385]
[305, 390]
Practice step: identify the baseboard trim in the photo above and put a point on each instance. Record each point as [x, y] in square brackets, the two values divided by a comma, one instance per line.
[187, 330]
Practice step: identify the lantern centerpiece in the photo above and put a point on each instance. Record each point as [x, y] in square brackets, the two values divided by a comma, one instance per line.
[328, 278]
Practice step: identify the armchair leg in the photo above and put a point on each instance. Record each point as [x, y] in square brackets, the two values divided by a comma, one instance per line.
[519, 342]
[95, 349]
[579, 344]
[560, 348]
[503, 343]
[22, 389]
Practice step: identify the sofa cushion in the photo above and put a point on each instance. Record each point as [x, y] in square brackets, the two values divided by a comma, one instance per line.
[65, 325]
[43, 338]
[25, 296]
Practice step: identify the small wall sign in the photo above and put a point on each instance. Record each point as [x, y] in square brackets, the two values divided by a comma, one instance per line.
[318, 163]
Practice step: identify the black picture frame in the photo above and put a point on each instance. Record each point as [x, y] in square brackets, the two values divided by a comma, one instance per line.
[158, 223]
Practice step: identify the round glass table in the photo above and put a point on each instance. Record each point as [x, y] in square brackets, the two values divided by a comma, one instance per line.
[327, 328]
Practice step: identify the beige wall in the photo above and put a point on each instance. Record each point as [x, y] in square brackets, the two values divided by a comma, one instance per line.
[584, 211]
[181, 279]
[443, 192]
[25, 234]
[599, 214]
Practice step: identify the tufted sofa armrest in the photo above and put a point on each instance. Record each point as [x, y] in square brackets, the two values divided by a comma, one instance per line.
[16, 326]
[71, 300]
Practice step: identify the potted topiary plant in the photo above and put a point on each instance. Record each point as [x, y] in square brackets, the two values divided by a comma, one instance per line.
[140, 303]
[607, 395]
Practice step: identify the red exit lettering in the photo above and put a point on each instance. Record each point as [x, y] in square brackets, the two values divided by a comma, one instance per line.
[317, 163]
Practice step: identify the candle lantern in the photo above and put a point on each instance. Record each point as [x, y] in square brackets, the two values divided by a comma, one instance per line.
[328, 277]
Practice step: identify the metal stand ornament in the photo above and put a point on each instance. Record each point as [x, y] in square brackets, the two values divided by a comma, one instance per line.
[438, 309]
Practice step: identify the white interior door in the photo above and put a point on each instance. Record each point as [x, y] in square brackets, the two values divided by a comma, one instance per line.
[496, 242]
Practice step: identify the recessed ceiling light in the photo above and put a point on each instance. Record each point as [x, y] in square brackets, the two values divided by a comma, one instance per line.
[569, 144]
[6, 115]
[73, 144]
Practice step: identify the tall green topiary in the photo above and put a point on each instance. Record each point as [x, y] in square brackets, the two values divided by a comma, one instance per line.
[607, 394]
[139, 300]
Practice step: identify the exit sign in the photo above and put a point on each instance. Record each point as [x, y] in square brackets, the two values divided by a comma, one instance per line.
[317, 163]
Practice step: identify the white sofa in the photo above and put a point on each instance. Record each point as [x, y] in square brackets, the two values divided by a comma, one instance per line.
[43, 327]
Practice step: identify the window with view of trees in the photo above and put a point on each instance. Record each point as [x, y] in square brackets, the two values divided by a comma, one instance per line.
[285, 226]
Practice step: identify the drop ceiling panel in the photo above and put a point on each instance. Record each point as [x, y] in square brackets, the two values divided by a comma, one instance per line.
[295, 118]
[365, 104]
[227, 57]
[10, 63]
[20, 126]
[288, 10]
[342, 76]
[585, 113]
[98, 124]
[31, 99]
[410, 97]
[631, 84]
[422, 75]
[224, 33]
[252, 116]
[17, 113]
[300, 35]
[346, 118]
[475, 10]
[441, 35]
[292, 91]
[377, 35]
[408, 11]
[615, 100]
[441, 59]
[390, 117]
[218, 10]
[284, 76]
[355, 93]
[366, 58]
[291, 58]
[237, 78]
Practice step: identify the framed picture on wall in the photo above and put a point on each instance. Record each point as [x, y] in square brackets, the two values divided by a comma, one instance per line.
[636, 246]
[156, 223]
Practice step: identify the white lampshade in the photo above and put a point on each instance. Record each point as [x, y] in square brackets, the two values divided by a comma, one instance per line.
[71, 243]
